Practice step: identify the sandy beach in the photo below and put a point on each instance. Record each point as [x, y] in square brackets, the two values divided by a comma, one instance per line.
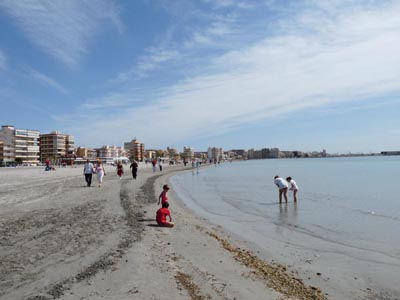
[62, 240]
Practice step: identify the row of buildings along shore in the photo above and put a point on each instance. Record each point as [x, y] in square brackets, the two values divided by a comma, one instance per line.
[25, 146]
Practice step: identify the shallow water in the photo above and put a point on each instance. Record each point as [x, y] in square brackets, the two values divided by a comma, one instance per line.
[348, 212]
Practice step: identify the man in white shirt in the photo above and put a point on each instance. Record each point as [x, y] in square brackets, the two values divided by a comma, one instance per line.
[88, 171]
[282, 186]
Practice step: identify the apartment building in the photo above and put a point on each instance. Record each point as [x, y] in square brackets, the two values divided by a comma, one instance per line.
[19, 144]
[56, 146]
[1, 152]
[86, 153]
[188, 152]
[135, 149]
[215, 153]
[109, 153]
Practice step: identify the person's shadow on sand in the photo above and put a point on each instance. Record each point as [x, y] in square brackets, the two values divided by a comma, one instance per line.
[146, 220]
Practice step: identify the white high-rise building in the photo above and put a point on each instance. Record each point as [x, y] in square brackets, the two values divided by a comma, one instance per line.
[21, 144]
[215, 153]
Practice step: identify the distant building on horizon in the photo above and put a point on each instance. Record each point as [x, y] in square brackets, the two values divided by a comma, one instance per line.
[19, 144]
[274, 153]
[215, 153]
[86, 153]
[188, 152]
[390, 152]
[135, 149]
[172, 152]
[200, 155]
[56, 146]
[109, 153]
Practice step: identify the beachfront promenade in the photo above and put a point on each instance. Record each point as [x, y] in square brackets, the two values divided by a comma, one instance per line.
[63, 240]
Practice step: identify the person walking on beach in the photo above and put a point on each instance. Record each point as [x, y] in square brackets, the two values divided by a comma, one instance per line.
[163, 196]
[120, 169]
[154, 163]
[88, 171]
[160, 164]
[293, 187]
[162, 214]
[282, 186]
[134, 166]
[100, 171]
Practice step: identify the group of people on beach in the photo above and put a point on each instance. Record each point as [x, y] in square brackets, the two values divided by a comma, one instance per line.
[283, 186]
[98, 168]
[89, 169]
[162, 214]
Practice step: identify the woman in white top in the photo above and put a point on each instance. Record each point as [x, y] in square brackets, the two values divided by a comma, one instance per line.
[293, 187]
[100, 171]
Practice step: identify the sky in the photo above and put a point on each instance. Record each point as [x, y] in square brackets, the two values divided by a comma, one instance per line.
[297, 75]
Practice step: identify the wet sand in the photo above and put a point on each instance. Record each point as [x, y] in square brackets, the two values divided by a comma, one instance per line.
[62, 240]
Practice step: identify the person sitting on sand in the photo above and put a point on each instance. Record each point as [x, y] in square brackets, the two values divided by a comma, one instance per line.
[293, 187]
[163, 196]
[283, 187]
[162, 214]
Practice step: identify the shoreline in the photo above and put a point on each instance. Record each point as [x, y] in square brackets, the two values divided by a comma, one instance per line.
[92, 243]
[330, 271]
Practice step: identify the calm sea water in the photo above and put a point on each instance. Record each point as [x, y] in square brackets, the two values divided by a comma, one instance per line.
[348, 209]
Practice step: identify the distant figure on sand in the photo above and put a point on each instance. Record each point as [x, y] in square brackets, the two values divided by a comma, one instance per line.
[163, 196]
[100, 171]
[88, 171]
[293, 187]
[282, 186]
[120, 169]
[162, 214]
[153, 164]
[160, 164]
[134, 166]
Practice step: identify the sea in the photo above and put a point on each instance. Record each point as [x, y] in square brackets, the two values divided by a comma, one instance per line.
[343, 234]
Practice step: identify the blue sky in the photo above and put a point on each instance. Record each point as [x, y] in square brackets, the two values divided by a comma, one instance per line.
[298, 75]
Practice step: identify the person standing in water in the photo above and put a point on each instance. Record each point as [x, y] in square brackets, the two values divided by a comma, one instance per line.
[282, 186]
[293, 187]
[134, 166]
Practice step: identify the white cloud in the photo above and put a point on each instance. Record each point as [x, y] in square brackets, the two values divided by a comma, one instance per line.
[231, 3]
[63, 29]
[151, 61]
[45, 80]
[354, 55]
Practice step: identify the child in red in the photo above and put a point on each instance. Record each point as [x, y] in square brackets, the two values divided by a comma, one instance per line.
[163, 196]
[162, 214]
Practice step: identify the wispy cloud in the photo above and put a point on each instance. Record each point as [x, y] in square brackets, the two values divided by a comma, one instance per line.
[2, 60]
[151, 61]
[45, 80]
[231, 3]
[63, 29]
[291, 69]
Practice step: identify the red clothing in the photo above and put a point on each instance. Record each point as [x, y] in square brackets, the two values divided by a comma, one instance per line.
[162, 214]
[120, 170]
[163, 196]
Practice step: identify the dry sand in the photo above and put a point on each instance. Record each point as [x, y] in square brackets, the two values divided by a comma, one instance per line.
[62, 240]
